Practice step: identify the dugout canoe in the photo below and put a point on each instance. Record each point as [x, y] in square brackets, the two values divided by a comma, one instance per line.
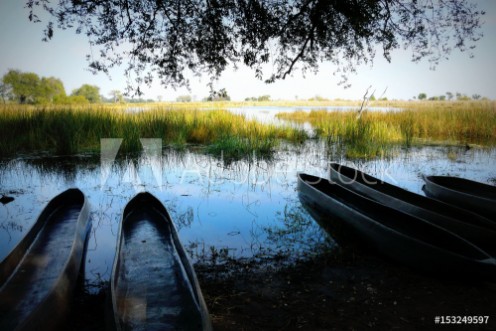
[471, 226]
[153, 285]
[468, 194]
[38, 277]
[402, 237]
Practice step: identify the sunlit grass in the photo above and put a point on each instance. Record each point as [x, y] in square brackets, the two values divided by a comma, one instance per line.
[472, 122]
[69, 130]
[73, 129]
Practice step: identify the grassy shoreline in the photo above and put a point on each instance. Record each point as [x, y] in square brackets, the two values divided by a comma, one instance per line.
[72, 129]
[373, 133]
[69, 130]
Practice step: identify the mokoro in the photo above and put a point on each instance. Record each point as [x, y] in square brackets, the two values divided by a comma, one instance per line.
[38, 277]
[473, 227]
[153, 284]
[397, 235]
[477, 197]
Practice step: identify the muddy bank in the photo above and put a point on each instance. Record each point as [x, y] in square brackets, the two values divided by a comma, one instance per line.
[344, 290]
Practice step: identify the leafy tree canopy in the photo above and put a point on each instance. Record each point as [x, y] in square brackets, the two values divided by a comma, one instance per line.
[28, 87]
[25, 85]
[170, 37]
[90, 92]
[51, 88]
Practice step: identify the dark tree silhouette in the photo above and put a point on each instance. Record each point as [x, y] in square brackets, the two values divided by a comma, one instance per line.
[171, 37]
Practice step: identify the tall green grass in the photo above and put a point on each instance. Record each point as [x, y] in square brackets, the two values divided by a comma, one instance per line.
[373, 134]
[73, 129]
[69, 130]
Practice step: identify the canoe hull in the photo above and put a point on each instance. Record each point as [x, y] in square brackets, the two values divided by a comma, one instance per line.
[473, 227]
[153, 285]
[399, 244]
[41, 272]
[465, 193]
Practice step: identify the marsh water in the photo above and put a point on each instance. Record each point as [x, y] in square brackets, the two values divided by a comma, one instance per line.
[237, 209]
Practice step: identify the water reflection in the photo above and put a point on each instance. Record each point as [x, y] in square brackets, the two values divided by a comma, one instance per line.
[236, 210]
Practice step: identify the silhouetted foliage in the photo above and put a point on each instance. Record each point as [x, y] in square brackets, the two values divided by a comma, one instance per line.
[169, 38]
[220, 95]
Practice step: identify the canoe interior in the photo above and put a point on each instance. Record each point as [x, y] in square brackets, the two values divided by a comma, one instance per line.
[43, 263]
[390, 219]
[465, 186]
[152, 288]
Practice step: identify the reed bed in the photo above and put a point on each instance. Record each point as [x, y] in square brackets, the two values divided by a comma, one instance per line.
[69, 130]
[73, 129]
[373, 133]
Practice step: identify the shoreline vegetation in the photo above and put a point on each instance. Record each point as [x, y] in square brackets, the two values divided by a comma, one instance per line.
[74, 129]
[468, 123]
[69, 130]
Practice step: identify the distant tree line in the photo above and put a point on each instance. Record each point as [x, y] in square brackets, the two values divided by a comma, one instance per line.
[220, 95]
[318, 98]
[29, 88]
[264, 97]
[214, 95]
[449, 96]
[184, 98]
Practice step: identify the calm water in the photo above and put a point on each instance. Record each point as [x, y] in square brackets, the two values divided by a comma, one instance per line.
[241, 209]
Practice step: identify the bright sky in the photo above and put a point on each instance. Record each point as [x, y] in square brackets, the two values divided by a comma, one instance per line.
[64, 57]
